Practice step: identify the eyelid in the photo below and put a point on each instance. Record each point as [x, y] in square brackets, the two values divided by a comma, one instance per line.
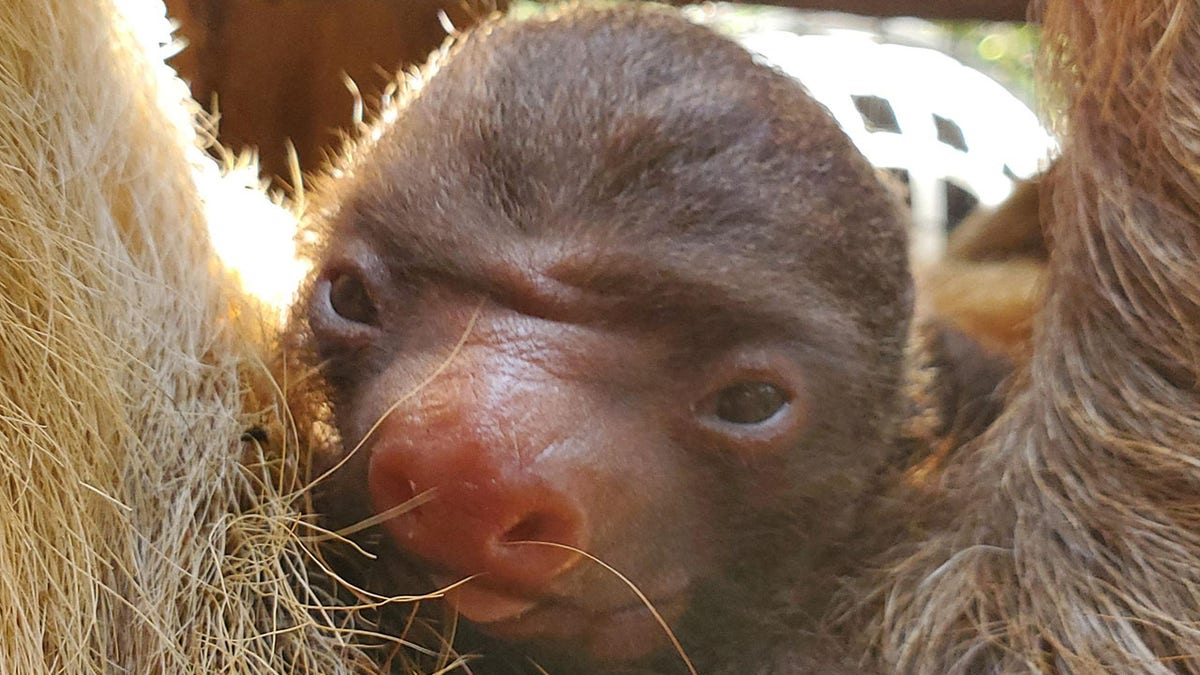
[755, 364]
[362, 302]
[778, 432]
[757, 392]
[328, 327]
[350, 256]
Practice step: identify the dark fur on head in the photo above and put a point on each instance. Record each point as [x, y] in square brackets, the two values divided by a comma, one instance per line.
[623, 169]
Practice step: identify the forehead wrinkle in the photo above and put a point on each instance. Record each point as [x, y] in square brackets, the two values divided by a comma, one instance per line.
[617, 279]
[675, 286]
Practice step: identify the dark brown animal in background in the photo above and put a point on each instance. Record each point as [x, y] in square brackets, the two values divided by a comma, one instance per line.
[276, 70]
[683, 302]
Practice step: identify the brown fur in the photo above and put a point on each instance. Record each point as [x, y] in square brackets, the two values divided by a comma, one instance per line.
[1071, 541]
[1011, 230]
[1061, 539]
[989, 283]
[680, 203]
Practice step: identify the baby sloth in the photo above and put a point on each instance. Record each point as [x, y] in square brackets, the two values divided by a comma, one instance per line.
[603, 284]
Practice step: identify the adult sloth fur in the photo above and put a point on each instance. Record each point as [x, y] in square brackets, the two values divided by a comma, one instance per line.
[1070, 541]
[133, 538]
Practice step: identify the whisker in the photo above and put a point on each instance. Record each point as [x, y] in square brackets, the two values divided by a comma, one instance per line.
[404, 507]
[632, 586]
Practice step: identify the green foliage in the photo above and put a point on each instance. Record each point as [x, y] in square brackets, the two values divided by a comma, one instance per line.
[1006, 51]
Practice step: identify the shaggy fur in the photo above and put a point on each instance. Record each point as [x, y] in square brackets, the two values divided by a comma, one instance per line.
[137, 532]
[1071, 542]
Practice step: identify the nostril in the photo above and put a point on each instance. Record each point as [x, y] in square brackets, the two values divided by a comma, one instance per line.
[533, 527]
[403, 490]
[538, 546]
[391, 487]
[466, 517]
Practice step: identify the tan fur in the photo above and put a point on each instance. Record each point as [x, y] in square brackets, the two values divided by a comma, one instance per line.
[989, 283]
[992, 301]
[133, 538]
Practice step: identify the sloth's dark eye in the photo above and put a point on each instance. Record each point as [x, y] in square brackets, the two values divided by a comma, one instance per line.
[349, 299]
[749, 402]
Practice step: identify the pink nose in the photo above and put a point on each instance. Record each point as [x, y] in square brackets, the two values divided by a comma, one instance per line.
[476, 513]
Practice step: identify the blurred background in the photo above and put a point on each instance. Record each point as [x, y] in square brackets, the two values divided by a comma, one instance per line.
[945, 104]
